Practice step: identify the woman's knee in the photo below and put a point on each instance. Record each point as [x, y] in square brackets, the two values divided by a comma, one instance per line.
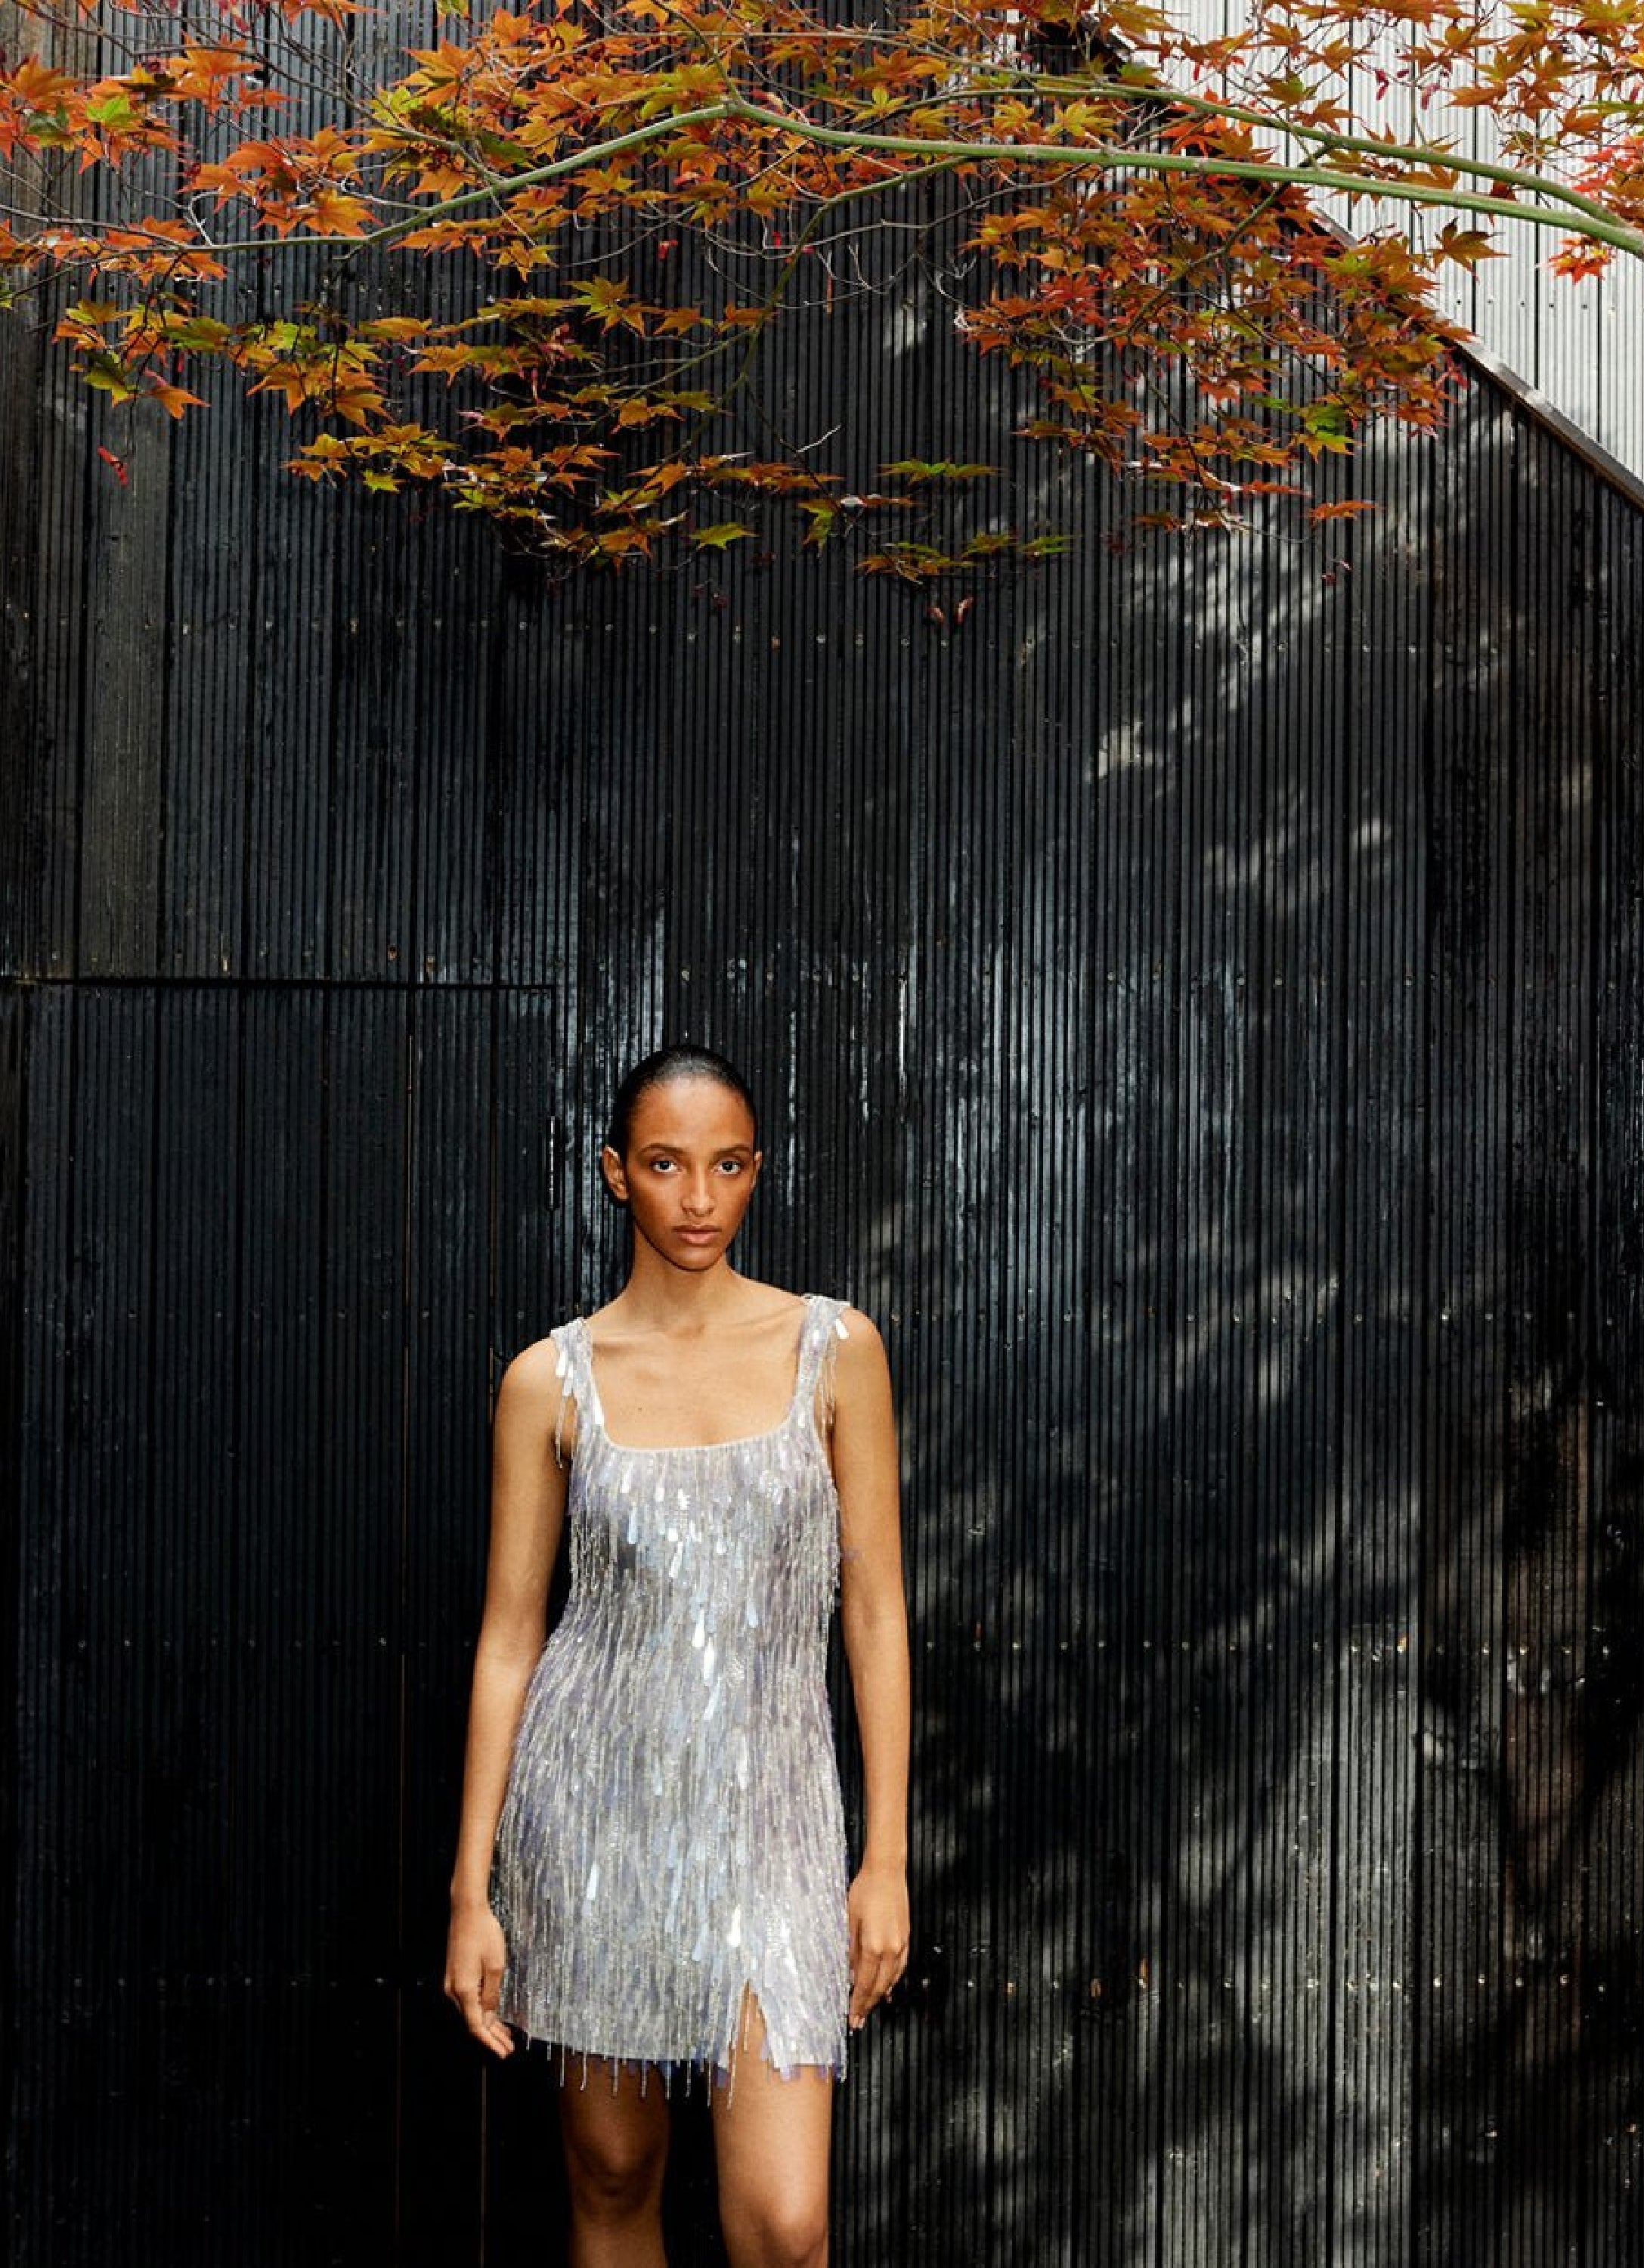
[613, 2162]
[776, 2231]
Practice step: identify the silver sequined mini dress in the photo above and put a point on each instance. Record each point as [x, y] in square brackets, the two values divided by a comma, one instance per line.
[672, 1834]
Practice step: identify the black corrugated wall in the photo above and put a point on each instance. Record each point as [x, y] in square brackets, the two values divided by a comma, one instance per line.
[1197, 1002]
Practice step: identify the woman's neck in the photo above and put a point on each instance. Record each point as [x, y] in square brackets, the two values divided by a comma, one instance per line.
[659, 1296]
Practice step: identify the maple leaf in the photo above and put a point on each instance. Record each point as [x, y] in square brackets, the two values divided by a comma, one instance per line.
[1467, 247]
[609, 302]
[108, 375]
[330, 213]
[205, 75]
[1580, 261]
[920, 469]
[172, 399]
[632, 414]
[618, 543]
[909, 562]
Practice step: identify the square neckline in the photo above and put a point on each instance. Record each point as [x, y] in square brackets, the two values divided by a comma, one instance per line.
[596, 1408]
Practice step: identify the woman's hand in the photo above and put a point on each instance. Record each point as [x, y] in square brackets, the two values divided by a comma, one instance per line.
[877, 1909]
[474, 1955]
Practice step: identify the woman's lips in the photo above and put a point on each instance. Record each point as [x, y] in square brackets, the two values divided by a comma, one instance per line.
[697, 1235]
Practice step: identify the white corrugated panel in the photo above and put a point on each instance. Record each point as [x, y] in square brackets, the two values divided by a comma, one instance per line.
[1580, 344]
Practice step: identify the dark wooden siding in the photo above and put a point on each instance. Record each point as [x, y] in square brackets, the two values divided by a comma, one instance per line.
[1197, 1003]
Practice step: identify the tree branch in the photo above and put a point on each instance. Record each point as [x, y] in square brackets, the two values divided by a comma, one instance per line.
[1578, 216]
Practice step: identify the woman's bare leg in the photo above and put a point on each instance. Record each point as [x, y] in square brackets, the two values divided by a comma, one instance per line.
[616, 2145]
[771, 2142]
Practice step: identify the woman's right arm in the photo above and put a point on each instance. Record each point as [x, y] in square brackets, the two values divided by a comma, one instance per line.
[527, 1515]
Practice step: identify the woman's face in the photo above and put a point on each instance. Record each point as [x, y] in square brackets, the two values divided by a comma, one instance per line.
[688, 1171]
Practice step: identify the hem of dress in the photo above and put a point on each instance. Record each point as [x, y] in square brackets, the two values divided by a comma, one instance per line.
[708, 2066]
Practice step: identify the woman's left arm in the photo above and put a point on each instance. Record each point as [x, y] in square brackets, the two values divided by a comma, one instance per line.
[873, 1614]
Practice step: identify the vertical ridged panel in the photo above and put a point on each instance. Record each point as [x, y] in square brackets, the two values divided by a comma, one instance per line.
[84, 1966]
[1473, 848]
[1549, 1413]
[125, 603]
[223, 655]
[1611, 1984]
[20, 775]
[55, 421]
[1368, 1629]
[449, 1264]
[345, 1620]
[540, 700]
[295, 675]
[46, 1823]
[191, 2013]
[14, 1744]
[283, 1394]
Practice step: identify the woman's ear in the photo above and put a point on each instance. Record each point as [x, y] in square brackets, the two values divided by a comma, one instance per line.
[759, 1160]
[616, 1179]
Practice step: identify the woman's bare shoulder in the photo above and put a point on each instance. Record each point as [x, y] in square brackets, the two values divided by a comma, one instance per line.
[532, 1379]
[861, 1359]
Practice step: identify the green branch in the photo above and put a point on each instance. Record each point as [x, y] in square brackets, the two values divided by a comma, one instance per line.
[1582, 219]
[1579, 215]
[1323, 138]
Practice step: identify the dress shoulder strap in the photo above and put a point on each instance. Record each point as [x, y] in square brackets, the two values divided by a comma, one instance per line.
[819, 1336]
[573, 1362]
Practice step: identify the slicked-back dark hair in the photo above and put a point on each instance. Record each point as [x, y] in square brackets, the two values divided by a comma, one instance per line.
[669, 1064]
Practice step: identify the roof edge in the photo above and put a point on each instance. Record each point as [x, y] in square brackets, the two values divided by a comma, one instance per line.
[1547, 414]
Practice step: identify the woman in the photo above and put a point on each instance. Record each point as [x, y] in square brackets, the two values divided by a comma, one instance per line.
[651, 1865]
